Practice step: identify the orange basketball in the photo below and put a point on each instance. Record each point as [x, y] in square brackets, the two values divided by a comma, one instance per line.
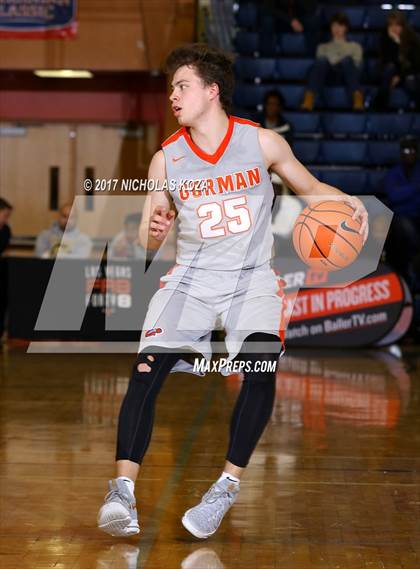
[326, 237]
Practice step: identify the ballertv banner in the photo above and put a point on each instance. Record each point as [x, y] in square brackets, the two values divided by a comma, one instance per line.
[38, 19]
[375, 310]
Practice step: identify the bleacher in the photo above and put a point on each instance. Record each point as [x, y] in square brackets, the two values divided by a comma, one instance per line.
[347, 149]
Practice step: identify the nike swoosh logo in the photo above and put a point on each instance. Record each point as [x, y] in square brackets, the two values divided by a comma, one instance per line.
[176, 159]
[344, 226]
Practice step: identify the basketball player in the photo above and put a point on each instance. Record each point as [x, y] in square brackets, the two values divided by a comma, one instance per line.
[222, 272]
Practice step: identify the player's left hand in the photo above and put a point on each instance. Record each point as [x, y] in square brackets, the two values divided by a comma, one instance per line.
[360, 214]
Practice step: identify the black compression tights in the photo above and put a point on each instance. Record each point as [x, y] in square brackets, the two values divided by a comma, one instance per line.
[250, 415]
[137, 412]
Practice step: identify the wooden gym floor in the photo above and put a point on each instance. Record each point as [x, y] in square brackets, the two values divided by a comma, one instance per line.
[334, 483]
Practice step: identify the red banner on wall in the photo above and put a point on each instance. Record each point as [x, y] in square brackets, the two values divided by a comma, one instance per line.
[369, 292]
[37, 19]
[375, 310]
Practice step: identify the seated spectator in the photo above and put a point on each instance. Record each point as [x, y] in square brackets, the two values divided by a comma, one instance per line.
[272, 116]
[399, 61]
[126, 245]
[339, 59]
[63, 238]
[5, 235]
[299, 16]
[402, 195]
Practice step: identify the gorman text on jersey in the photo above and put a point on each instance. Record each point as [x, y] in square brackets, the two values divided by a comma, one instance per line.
[220, 185]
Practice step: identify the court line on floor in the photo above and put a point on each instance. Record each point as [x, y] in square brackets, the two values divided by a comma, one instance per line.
[339, 456]
[151, 531]
[329, 483]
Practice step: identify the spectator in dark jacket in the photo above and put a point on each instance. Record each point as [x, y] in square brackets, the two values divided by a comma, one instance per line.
[272, 115]
[5, 235]
[298, 16]
[399, 61]
[402, 195]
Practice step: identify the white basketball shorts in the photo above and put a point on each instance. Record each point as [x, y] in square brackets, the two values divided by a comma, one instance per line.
[192, 302]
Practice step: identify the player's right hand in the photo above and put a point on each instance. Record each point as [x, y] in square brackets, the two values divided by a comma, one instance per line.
[161, 222]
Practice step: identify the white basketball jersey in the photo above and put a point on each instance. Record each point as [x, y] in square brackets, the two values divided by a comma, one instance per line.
[223, 200]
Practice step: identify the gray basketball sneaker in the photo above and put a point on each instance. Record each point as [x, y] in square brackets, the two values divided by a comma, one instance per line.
[204, 519]
[118, 514]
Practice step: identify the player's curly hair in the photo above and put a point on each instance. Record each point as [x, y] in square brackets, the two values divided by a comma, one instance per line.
[211, 64]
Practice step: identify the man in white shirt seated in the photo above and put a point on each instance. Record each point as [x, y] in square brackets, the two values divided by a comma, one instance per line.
[63, 238]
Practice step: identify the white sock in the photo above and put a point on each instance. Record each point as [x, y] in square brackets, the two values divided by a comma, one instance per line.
[229, 476]
[128, 481]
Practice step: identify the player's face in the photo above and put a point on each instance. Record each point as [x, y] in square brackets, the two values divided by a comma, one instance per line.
[190, 97]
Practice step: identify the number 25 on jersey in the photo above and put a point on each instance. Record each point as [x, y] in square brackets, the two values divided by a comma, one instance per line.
[232, 210]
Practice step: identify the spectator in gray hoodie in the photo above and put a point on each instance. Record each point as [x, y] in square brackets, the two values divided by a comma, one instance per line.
[337, 59]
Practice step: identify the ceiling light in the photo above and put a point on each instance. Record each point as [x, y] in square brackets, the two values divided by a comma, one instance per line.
[64, 73]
